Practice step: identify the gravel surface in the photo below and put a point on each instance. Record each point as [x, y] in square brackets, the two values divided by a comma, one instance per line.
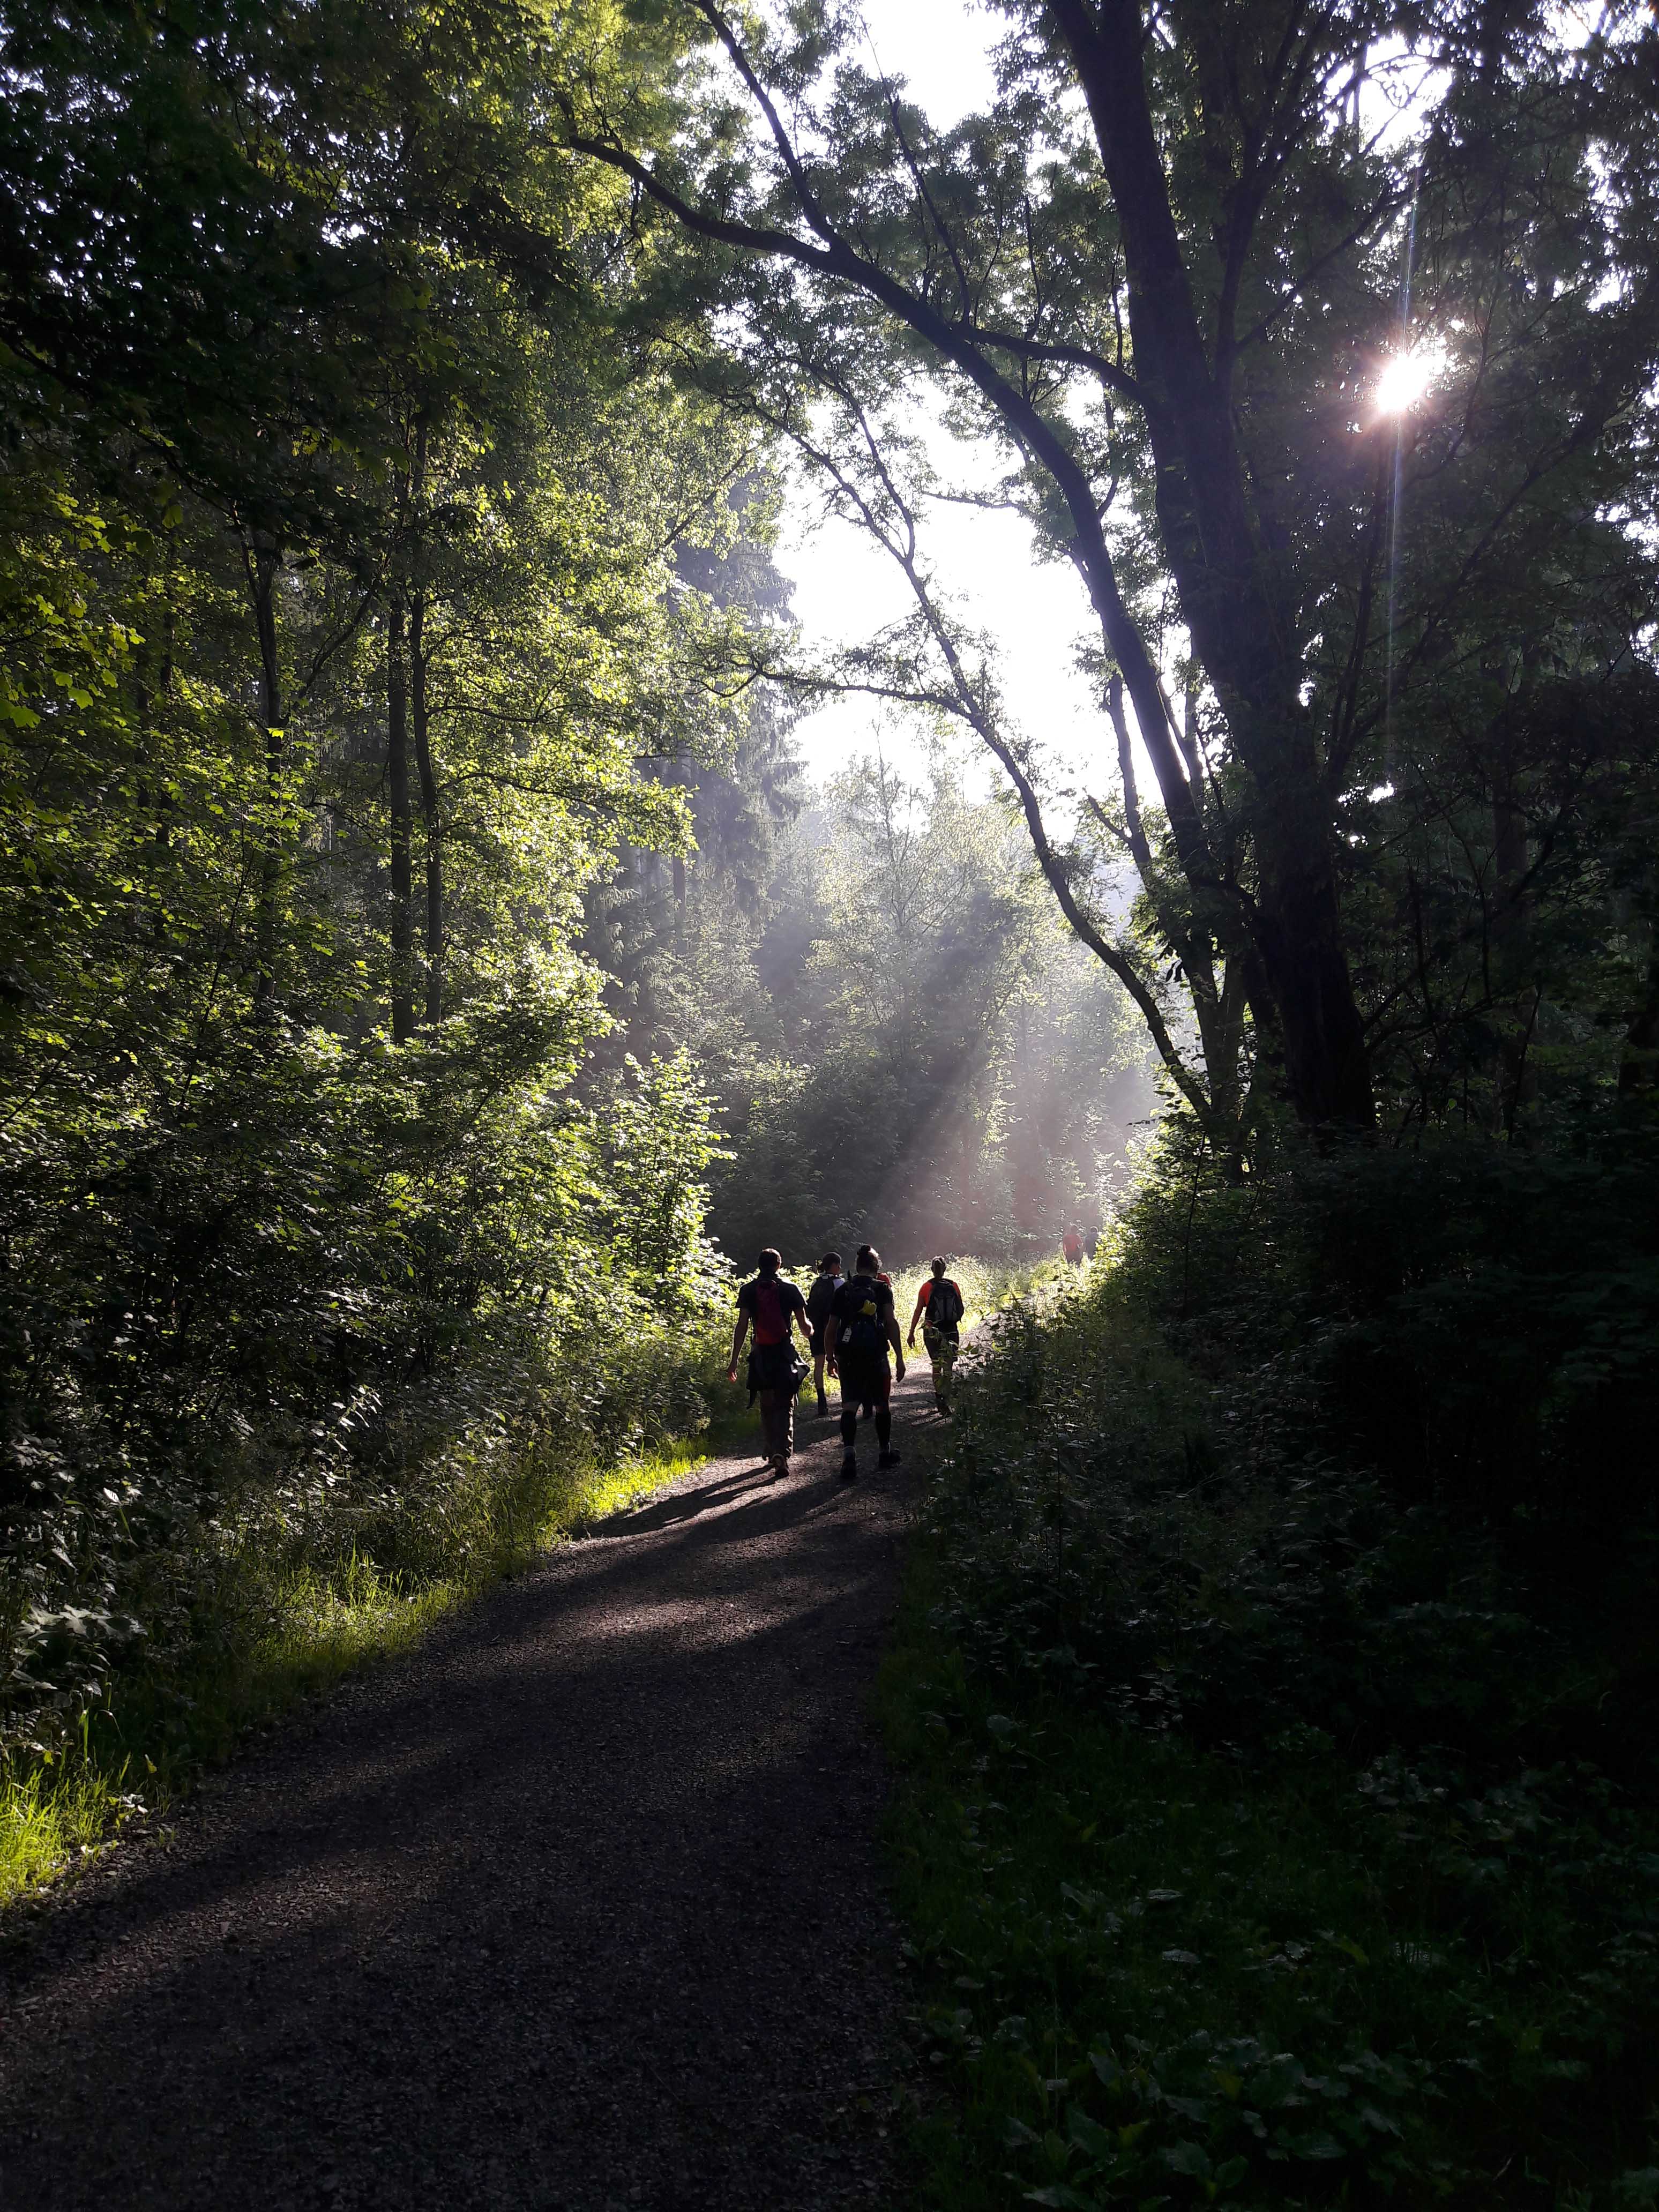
[579, 1906]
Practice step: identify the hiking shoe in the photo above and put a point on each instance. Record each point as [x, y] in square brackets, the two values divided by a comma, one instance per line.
[849, 1467]
[888, 1459]
[823, 1407]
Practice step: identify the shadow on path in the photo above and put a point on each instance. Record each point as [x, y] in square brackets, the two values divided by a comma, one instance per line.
[577, 1906]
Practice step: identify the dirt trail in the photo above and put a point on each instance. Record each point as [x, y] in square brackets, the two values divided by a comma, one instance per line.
[578, 1906]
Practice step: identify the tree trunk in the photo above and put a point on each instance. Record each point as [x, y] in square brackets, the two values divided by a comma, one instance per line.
[1297, 927]
[1239, 618]
[397, 763]
[263, 568]
[1217, 1005]
[430, 821]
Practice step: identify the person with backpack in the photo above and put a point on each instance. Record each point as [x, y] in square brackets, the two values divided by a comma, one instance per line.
[817, 1313]
[940, 1308]
[1071, 1245]
[770, 1305]
[862, 1324]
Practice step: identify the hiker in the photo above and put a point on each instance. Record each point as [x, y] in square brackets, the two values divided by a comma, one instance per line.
[862, 1324]
[768, 1305]
[823, 1290]
[1071, 1245]
[940, 1308]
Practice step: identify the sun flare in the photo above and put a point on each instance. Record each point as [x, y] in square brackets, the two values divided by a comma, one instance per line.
[1406, 377]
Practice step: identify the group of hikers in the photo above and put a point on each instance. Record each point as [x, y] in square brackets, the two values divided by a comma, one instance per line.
[848, 1324]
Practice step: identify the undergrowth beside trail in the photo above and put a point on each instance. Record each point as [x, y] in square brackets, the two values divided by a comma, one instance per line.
[987, 1285]
[1265, 1837]
[281, 1615]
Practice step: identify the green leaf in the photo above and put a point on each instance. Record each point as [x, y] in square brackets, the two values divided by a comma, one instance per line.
[1190, 2159]
[1317, 2145]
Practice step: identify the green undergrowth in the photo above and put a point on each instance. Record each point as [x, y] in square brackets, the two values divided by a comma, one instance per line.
[987, 1285]
[1252, 1852]
[278, 1625]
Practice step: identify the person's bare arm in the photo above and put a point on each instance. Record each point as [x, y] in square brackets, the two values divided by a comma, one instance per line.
[737, 1336]
[804, 1326]
[895, 1340]
[922, 1307]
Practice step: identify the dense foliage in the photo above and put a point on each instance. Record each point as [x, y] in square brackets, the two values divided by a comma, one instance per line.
[418, 934]
[330, 565]
[1283, 1809]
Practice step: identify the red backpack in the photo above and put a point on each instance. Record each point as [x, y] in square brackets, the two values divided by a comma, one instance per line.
[770, 1326]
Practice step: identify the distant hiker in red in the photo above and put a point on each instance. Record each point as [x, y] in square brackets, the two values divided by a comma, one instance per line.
[940, 1308]
[862, 1324]
[1071, 1245]
[818, 1312]
[768, 1305]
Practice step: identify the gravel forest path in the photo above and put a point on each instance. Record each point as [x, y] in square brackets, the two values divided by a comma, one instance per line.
[576, 1907]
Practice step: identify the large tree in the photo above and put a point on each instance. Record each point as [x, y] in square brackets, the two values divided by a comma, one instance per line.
[1165, 271]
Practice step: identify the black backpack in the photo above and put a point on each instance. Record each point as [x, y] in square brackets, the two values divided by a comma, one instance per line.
[863, 1332]
[820, 1298]
[944, 1306]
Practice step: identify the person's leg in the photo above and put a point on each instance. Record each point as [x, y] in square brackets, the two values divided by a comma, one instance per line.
[817, 1371]
[778, 1425]
[852, 1387]
[944, 1370]
[773, 1406]
[887, 1456]
[934, 1338]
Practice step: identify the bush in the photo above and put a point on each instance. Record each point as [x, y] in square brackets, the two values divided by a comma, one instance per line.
[1477, 1324]
[328, 1314]
[1282, 1810]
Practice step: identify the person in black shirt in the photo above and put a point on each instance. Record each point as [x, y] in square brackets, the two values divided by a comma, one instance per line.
[829, 1280]
[862, 1325]
[768, 1305]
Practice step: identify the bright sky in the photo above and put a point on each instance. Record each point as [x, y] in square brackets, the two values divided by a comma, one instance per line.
[845, 588]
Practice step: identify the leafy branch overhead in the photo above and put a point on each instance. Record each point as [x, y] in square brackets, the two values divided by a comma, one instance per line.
[1164, 272]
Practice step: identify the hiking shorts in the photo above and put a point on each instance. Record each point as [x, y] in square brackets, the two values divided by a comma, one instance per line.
[817, 1341]
[943, 1346]
[864, 1381]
